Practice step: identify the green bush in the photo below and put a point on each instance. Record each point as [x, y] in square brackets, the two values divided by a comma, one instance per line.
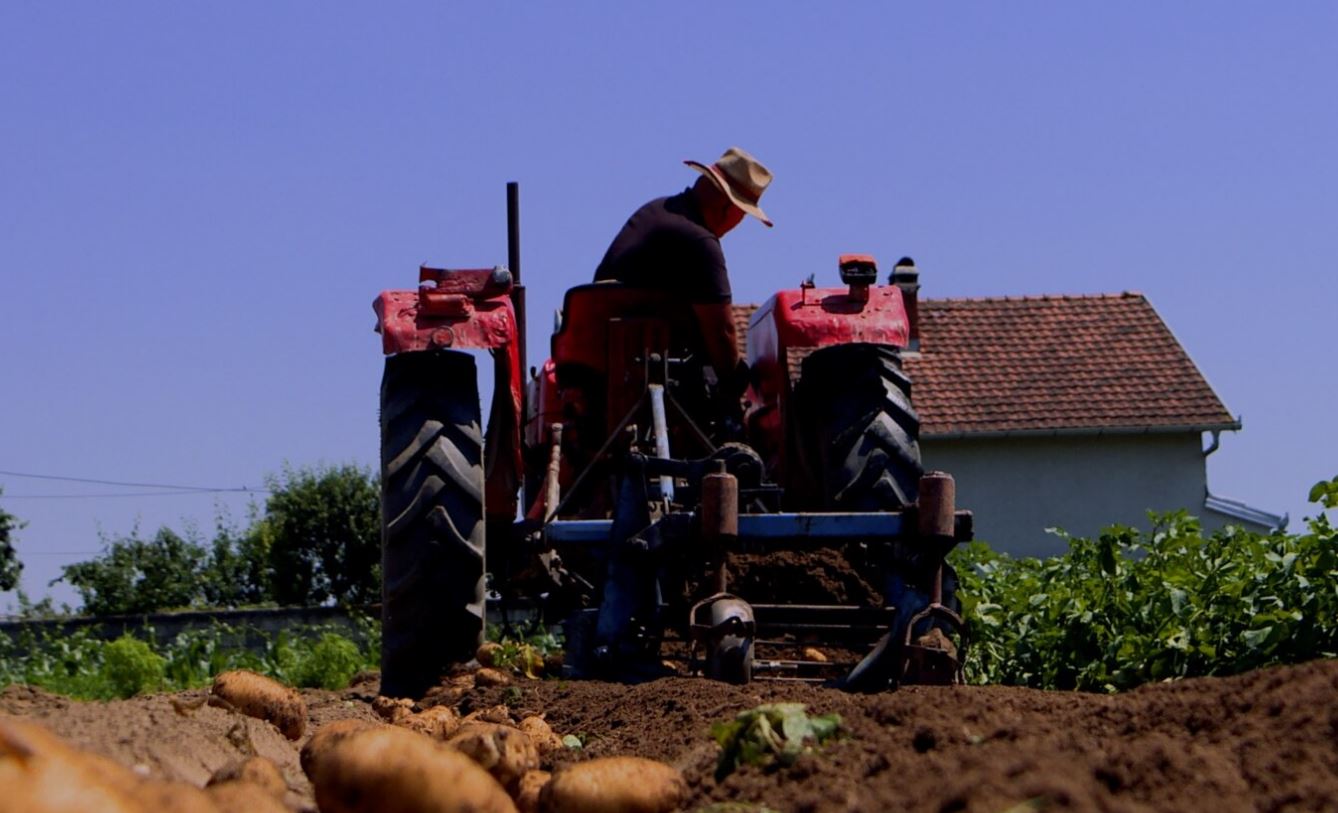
[131, 667]
[1130, 607]
[330, 663]
[81, 666]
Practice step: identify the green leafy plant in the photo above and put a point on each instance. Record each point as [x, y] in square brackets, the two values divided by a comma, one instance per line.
[316, 541]
[10, 566]
[322, 534]
[330, 663]
[523, 650]
[131, 667]
[773, 732]
[82, 666]
[134, 575]
[1129, 606]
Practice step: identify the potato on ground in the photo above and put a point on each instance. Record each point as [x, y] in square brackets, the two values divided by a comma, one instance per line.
[491, 677]
[178, 797]
[450, 690]
[487, 653]
[492, 714]
[504, 751]
[392, 770]
[438, 722]
[545, 739]
[527, 791]
[326, 737]
[258, 696]
[253, 770]
[244, 797]
[40, 773]
[615, 785]
[392, 709]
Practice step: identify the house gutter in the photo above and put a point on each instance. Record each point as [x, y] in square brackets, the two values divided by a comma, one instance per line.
[1235, 509]
[1097, 431]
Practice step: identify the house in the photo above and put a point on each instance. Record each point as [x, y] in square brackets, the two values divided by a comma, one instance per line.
[1075, 412]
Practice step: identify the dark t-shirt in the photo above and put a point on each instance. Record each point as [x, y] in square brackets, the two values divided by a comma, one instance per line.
[666, 246]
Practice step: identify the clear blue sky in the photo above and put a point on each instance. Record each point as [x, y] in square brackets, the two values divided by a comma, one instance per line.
[198, 203]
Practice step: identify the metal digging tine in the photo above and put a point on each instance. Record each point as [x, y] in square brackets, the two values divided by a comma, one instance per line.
[958, 625]
[603, 450]
[936, 608]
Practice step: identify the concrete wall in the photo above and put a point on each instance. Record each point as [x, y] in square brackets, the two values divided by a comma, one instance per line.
[252, 627]
[1017, 487]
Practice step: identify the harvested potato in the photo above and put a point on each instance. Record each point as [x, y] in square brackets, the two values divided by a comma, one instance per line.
[545, 740]
[258, 696]
[615, 785]
[178, 797]
[450, 690]
[487, 654]
[40, 773]
[499, 714]
[527, 791]
[815, 654]
[392, 709]
[460, 680]
[244, 797]
[438, 722]
[254, 770]
[37, 739]
[326, 737]
[491, 677]
[505, 752]
[392, 770]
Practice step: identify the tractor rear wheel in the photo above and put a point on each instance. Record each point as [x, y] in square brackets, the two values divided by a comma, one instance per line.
[432, 530]
[861, 433]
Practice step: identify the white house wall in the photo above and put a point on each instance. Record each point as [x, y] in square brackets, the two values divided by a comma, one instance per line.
[1017, 487]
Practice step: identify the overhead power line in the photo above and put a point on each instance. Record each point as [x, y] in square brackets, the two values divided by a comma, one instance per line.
[171, 489]
[24, 554]
[191, 493]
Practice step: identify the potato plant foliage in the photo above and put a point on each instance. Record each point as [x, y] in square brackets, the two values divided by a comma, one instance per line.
[772, 732]
[82, 666]
[1130, 607]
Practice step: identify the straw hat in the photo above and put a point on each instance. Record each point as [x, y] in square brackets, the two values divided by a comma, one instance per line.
[741, 177]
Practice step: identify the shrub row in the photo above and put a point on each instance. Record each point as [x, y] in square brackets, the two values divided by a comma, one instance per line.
[1129, 607]
[82, 666]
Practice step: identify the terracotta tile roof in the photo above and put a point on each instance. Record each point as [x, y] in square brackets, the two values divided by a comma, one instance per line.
[742, 313]
[1055, 364]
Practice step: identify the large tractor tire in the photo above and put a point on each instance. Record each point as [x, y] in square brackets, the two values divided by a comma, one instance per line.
[432, 529]
[856, 422]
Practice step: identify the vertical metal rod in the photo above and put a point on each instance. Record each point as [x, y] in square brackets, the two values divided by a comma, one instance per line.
[552, 493]
[518, 290]
[513, 230]
[661, 437]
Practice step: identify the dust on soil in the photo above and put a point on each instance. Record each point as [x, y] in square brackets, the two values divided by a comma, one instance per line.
[1267, 740]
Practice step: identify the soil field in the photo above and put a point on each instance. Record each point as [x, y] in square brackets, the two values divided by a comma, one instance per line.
[1265, 741]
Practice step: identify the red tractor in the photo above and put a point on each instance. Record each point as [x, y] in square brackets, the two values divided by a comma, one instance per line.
[618, 492]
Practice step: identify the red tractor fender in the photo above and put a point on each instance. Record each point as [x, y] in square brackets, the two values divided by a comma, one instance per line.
[791, 325]
[465, 310]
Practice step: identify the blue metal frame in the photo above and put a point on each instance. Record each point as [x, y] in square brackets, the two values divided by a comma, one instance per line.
[866, 526]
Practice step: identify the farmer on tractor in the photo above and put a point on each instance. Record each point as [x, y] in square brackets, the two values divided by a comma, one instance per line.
[653, 516]
[672, 244]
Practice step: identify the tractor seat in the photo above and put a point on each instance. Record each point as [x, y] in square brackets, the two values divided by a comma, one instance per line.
[584, 333]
